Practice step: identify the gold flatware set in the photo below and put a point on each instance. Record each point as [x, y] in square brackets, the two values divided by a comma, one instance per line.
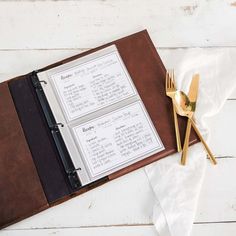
[185, 105]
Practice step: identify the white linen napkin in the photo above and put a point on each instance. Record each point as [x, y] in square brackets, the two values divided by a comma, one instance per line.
[177, 188]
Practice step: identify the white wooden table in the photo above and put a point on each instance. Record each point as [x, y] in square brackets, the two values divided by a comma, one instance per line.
[34, 34]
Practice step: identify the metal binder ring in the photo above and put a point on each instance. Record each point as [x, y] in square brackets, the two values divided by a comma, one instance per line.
[43, 81]
[59, 124]
[55, 127]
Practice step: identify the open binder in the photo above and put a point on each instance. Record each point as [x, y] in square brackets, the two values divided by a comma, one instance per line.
[43, 161]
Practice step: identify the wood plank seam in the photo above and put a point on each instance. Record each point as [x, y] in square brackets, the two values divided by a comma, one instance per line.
[112, 226]
[78, 48]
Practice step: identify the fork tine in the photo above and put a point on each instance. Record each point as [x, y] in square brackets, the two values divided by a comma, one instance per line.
[170, 76]
[168, 79]
[172, 79]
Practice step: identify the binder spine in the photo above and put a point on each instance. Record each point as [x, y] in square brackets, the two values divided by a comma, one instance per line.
[54, 128]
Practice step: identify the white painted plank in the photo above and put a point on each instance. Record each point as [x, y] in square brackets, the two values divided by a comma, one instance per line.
[85, 24]
[226, 229]
[97, 231]
[223, 130]
[233, 95]
[129, 200]
[16, 62]
[217, 201]
[138, 230]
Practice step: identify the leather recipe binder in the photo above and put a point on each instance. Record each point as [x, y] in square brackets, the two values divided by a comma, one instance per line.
[81, 122]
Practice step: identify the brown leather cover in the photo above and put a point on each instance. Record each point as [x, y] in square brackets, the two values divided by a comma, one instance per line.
[148, 73]
[21, 193]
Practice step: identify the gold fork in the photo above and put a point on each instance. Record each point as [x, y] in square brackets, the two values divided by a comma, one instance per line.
[170, 92]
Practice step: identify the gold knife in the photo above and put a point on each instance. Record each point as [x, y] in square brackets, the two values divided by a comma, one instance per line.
[192, 95]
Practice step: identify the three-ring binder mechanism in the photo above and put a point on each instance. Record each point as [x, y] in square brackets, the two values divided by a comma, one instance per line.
[54, 127]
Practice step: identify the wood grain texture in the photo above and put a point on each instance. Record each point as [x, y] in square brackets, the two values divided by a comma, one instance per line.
[86, 23]
[38, 33]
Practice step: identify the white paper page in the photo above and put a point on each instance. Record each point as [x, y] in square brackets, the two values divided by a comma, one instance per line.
[92, 85]
[111, 141]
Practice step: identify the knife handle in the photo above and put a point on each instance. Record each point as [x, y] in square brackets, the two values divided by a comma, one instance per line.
[186, 143]
[212, 158]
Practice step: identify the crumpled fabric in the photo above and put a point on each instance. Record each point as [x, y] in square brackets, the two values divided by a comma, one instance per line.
[176, 187]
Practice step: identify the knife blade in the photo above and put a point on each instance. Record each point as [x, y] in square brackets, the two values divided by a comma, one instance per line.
[193, 90]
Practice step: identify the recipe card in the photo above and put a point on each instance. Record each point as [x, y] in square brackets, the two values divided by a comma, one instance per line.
[93, 85]
[116, 138]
